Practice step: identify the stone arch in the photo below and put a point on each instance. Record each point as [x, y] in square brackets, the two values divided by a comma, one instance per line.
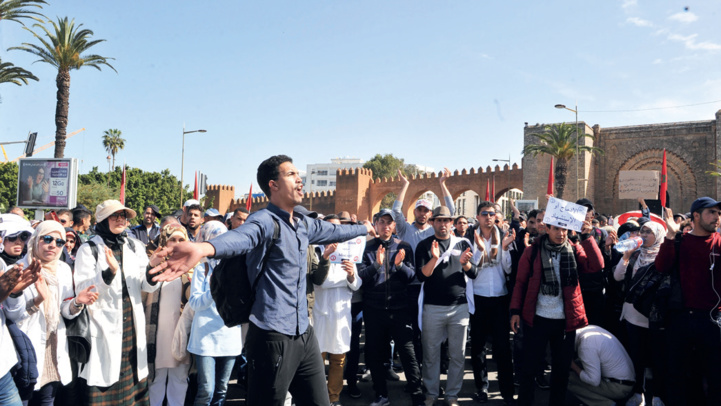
[682, 182]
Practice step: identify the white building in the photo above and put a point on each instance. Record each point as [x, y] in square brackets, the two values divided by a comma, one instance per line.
[321, 177]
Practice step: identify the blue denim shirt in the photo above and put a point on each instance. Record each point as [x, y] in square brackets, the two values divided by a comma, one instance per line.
[280, 302]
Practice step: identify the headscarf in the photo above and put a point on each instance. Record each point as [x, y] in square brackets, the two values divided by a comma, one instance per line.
[208, 231]
[648, 254]
[114, 241]
[168, 231]
[49, 269]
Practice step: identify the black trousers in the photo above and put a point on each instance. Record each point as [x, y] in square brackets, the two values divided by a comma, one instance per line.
[381, 326]
[535, 339]
[492, 318]
[279, 363]
[352, 357]
[694, 344]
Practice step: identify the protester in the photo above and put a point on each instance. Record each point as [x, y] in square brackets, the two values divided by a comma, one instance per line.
[117, 367]
[443, 264]
[642, 345]
[547, 296]
[167, 377]
[40, 310]
[81, 222]
[332, 318]
[694, 328]
[605, 374]
[592, 279]
[387, 270]
[213, 345]
[279, 314]
[148, 230]
[240, 215]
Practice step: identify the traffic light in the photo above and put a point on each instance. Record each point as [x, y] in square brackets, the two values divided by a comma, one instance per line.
[30, 144]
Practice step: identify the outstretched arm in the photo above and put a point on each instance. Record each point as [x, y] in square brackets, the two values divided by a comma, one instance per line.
[446, 194]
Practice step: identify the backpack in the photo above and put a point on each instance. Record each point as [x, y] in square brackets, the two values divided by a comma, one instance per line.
[230, 285]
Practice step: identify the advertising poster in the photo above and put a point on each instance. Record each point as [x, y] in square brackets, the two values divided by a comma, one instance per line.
[47, 183]
[351, 250]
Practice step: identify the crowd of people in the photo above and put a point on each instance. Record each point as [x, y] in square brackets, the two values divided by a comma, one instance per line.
[109, 314]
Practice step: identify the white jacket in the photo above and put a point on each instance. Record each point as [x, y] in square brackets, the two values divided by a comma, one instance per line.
[35, 326]
[106, 314]
[331, 312]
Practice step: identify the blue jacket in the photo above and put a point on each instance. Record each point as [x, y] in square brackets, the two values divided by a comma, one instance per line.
[385, 286]
[25, 372]
[280, 304]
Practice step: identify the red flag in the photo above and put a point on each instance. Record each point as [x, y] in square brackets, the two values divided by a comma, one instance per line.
[493, 190]
[249, 201]
[195, 188]
[488, 190]
[122, 187]
[549, 189]
[664, 180]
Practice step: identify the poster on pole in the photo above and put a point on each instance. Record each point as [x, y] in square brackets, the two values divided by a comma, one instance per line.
[47, 183]
[526, 205]
[635, 184]
[351, 250]
[561, 213]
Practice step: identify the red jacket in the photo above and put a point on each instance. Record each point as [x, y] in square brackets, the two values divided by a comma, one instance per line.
[528, 284]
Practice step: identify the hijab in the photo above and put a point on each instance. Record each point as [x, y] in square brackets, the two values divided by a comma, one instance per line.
[648, 254]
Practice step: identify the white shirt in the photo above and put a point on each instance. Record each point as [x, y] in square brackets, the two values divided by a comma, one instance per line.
[628, 312]
[331, 313]
[491, 280]
[602, 356]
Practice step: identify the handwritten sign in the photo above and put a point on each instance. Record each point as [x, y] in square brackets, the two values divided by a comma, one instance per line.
[635, 184]
[351, 250]
[561, 213]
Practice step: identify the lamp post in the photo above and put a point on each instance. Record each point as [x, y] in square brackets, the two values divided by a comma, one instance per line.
[109, 158]
[312, 172]
[509, 173]
[575, 111]
[182, 161]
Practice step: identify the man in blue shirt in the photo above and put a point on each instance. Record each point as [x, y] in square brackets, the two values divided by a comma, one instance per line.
[283, 353]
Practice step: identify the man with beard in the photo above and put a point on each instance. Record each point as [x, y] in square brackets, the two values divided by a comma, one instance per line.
[283, 352]
[149, 229]
[194, 218]
[694, 325]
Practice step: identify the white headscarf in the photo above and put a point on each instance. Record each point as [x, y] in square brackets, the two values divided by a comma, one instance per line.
[50, 305]
[648, 254]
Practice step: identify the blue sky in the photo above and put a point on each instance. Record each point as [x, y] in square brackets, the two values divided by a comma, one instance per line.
[438, 83]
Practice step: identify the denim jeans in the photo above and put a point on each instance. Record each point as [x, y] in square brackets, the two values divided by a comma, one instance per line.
[213, 377]
[8, 392]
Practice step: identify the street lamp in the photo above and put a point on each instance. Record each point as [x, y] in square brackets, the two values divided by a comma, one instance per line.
[563, 106]
[109, 158]
[312, 172]
[509, 173]
[182, 161]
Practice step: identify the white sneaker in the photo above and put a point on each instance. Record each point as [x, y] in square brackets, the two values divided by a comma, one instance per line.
[381, 401]
[657, 402]
[430, 401]
[636, 400]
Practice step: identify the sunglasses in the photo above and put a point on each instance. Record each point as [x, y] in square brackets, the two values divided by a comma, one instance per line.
[116, 216]
[24, 237]
[488, 213]
[48, 239]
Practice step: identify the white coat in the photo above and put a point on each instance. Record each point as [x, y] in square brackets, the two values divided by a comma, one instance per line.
[106, 314]
[35, 326]
[331, 312]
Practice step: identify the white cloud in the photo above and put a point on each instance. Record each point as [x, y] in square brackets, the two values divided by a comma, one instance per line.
[638, 22]
[690, 42]
[657, 61]
[685, 17]
[626, 4]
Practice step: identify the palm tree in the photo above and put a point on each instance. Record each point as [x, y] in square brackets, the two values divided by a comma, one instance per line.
[13, 10]
[63, 49]
[559, 141]
[112, 142]
[10, 73]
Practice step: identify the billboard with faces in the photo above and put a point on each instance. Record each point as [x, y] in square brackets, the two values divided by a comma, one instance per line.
[47, 183]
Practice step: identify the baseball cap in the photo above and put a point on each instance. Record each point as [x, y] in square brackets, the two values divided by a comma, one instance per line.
[191, 202]
[425, 203]
[211, 212]
[383, 212]
[704, 203]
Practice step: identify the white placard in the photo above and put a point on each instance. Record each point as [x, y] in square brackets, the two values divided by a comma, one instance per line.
[351, 250]
[561, 213]
[635, 184]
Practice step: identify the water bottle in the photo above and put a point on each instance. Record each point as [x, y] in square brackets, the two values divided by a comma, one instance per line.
[629, 244]
[624, 236]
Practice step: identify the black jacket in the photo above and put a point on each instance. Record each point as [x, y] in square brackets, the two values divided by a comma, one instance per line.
[385, 286]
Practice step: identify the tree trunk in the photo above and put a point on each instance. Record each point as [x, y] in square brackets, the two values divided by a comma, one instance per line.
[561, 174]
[61, 111]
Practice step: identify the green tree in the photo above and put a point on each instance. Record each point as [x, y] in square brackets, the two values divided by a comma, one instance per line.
[10, 73]
[16, 10]
[65, 49]
[8, 185]
[559, 141]
[113, 142]
[386, 166]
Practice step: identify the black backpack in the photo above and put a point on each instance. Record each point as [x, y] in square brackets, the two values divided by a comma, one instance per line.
[231, 288]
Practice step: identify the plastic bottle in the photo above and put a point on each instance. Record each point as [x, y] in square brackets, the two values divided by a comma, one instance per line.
[629, 244]
[624, 236]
